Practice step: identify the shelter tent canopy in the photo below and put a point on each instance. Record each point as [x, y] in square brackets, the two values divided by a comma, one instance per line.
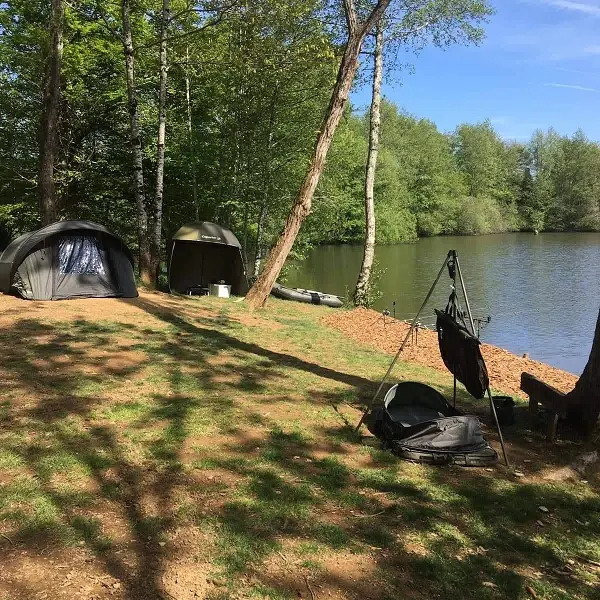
[204, 253]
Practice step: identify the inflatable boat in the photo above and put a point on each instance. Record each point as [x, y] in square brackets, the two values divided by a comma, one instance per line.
[417, 423]
[309, 296]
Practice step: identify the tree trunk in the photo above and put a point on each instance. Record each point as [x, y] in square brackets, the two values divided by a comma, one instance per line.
[584, 400]
[48, 136]
[262, 216]
[156, 244]
[136, 149]
[191, 135]
[245, 235]
[361, 293]
[258, 294]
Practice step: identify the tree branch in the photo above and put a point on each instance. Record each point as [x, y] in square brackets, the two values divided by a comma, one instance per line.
[175, 38]
[375, 16]
[351, 20]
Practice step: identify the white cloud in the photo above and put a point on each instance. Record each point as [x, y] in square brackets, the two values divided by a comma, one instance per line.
[514, 137]
[581, 88]
[581, 7]
[550, 42]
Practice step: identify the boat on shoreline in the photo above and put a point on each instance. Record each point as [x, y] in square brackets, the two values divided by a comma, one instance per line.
[308, 296]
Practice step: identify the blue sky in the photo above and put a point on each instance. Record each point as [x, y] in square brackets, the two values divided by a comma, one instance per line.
[539, 66]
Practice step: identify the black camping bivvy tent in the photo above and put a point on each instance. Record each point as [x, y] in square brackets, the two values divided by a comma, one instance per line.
[204, 253]
[417, 423]
[68, 259]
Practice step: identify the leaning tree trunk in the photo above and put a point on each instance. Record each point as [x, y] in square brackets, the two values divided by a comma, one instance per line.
[584, 400]
[361, 293]
[258, 294]
[48, 135]
[157, 211]
[136, 149]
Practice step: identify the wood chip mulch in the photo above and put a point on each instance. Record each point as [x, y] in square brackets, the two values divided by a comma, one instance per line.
[504, 367]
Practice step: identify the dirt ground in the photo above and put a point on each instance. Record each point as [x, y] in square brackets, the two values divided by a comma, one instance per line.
[504, 368]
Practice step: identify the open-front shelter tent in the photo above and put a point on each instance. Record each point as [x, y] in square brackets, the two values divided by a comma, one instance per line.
[204, 253]
[68, 259]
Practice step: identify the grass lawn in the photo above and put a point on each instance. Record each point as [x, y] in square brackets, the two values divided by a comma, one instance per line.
[186, 448]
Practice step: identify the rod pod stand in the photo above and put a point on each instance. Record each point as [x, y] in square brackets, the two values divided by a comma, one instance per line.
[450, 256]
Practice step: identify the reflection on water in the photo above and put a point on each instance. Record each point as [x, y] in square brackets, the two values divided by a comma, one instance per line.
[541, 291]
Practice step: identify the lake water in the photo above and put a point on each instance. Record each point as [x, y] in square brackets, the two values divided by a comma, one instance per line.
[542, 292]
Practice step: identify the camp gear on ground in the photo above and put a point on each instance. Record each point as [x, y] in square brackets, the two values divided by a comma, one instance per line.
[505, 409]
[68, 259]
[475, 372]
[417, 423]
[310, 296]
[219, 290]
[204, 253]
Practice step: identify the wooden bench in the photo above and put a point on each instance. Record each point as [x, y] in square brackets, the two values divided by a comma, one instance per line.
[549, 397]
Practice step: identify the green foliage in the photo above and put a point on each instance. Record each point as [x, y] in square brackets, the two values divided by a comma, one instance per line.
[260, 80]
[478, 216]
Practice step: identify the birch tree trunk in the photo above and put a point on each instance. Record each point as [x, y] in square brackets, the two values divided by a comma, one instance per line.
[584, 400]
[136, 148]
[157, 211]
[258, 294]
[361, 293]
[48, 134]
[191, 134]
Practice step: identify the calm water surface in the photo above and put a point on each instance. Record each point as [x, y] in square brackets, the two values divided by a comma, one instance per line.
[542, 292]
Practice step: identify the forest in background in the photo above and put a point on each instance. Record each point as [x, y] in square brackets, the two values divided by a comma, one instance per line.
[248, 85]
[467, 182]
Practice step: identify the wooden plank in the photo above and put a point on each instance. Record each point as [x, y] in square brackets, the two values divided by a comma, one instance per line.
[544, 394]
[552, 423]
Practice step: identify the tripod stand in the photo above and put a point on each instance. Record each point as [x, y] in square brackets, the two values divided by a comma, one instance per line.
[453, 265]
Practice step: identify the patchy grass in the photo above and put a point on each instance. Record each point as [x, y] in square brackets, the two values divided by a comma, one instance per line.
[186, 448]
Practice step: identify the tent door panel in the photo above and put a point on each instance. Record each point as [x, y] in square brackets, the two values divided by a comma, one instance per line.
[122, 271]
[33, 278]
[82, 269]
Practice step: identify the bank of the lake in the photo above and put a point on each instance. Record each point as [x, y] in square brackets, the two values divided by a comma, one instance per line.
[541, 291]
[386, 335]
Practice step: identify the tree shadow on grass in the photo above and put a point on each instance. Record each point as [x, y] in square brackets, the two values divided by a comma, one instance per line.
[103, 456]
[481, 513]
[60, 431]
[61, 436]
[476, 536]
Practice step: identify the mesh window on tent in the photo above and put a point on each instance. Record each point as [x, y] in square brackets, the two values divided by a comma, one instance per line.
[80, 255]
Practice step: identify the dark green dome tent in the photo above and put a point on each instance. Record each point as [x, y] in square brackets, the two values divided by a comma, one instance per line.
[68, 259]
[204, 253]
